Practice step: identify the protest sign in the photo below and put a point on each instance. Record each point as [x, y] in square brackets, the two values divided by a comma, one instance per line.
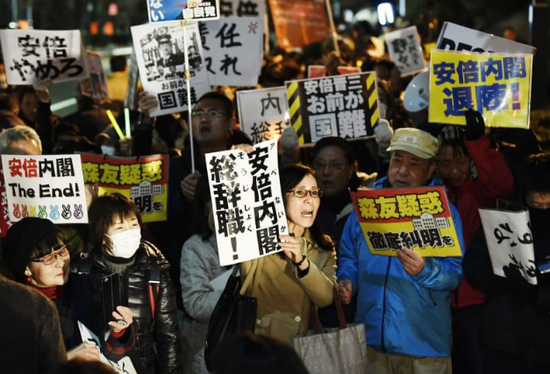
[317, 71]
[233, 50]
[95, 86]
[247, 202]
[160, 57]
[242, 8]
[299, 22]
[496, 85]
[179, 10]
[263, 113]
[417, 218]
[454, 37]
[34, 55]
[45, 187]
[405, 50]
[143, 179]
[343, 105]
[509, 241]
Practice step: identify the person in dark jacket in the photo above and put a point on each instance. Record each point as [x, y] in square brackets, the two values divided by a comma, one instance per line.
[30, 335]
[141, 272]
[515, 328]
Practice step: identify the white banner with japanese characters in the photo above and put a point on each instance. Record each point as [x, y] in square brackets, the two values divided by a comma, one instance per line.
[45, 187]
[405, 50]
[161, 60]
[263, 113]
[247, 202]
[509, 241]
[34, 55]
[175, 10]
[242, 8]
[233, 50]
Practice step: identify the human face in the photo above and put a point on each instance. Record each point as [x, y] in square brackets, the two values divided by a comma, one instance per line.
[332, 170]
[301, 212]
[408, 170]
[212, 132]
[538, 200]
[28, 106]
[165, 49]
[120, 225]
[24, 147]
[454, 165]
[51, 275]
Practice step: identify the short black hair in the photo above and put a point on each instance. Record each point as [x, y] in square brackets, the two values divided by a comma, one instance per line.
[118, 63]
[226, 102]
[535, 173]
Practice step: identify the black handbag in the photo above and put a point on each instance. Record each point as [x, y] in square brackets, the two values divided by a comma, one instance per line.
[233, 313]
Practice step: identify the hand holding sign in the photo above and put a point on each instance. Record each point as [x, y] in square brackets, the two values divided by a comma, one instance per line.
[412, 262]
[84, 351]
[475, 125]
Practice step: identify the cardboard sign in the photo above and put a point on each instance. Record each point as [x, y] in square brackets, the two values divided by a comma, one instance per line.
[343, 105]
[405, 50]
[454, 37]
[46, 187]
[34, 55]
[144, 180]
[496, 85]
[417, 218]
[299, 22]
[247, 202]
[161, 60]
[96, 85]
[263, 113]
[509, 241]
[233, 50]
[179, 10]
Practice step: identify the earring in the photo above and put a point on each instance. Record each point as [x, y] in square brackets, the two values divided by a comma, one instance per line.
[28, 273]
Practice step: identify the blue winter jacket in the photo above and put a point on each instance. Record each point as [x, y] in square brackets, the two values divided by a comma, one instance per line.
[403, 314]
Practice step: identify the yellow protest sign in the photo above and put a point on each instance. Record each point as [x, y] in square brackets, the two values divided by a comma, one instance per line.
[142, 179]
[496, 85]
[417, 218]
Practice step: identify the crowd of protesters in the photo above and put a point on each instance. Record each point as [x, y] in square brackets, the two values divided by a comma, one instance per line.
[422, 314]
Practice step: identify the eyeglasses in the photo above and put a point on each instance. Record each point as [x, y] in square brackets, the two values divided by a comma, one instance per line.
[61, 251]
[302, 192]
[212, 113]
[337, 166]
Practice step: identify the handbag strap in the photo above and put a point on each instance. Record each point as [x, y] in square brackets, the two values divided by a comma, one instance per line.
[317, 327]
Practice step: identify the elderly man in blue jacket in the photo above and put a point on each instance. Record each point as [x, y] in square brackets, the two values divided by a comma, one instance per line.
[404, 301]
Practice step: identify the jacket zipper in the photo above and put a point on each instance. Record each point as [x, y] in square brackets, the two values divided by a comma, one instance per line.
[382, 332]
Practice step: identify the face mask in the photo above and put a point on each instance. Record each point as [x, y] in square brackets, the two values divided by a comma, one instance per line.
[108, 150]
[126, 243]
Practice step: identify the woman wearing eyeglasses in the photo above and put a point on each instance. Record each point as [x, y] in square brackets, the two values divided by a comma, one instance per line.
[288, 283]
[37, 256]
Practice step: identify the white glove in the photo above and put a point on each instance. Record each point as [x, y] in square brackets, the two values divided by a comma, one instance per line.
[289, 140]
[383, 134]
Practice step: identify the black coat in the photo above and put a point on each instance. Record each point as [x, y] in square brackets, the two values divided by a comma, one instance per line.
[157, 337]
[516, 317]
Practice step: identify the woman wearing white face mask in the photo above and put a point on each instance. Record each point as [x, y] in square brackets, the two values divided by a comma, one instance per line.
[139, 275]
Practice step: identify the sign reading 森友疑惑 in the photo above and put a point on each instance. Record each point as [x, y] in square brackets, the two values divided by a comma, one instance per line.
[343, 105]
[416, 218]
[34, 55]
[46, 187]
[496, 85]
[247, 202]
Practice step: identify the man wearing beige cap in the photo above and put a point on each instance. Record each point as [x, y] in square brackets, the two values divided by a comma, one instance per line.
[404, 301]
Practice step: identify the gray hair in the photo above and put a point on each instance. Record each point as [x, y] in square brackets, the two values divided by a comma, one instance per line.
[18, 133]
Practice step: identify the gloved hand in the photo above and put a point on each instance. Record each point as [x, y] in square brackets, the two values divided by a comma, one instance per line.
[475, 125]
[383, 134]
[518, 285]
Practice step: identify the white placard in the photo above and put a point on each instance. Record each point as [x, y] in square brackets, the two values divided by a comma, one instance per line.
[242, 8]
[263, 113]
[405, 50]
[509, 241]
[161, 61]
[248, 205]
[49, 187]
[233, 50]
[33, 55]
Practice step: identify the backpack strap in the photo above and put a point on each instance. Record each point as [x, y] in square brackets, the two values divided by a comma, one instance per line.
[154, 289]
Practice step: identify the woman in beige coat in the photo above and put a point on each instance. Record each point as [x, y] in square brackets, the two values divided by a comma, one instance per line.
[287, 283]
